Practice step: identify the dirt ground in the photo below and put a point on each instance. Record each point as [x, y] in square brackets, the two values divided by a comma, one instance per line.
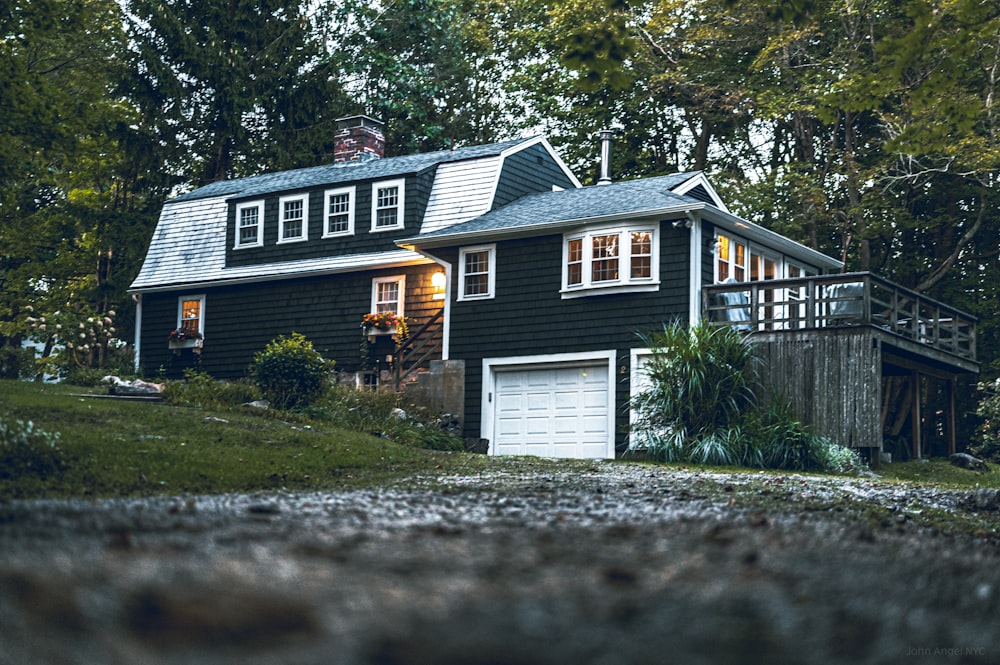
[614, 564]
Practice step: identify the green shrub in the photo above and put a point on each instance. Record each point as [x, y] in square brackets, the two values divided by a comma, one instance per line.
[290, 372]
[381, 412]
[200, 390]
[701, 408]
[16, 363]
[701, 382]
[987, 443]
[27, 450]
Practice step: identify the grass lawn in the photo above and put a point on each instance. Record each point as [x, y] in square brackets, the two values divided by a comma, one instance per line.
[121, 448]
[127, 448]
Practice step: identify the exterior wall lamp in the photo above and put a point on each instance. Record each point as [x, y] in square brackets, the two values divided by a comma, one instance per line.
[438, 284]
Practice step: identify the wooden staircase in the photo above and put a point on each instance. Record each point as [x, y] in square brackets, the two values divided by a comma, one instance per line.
[415, 353]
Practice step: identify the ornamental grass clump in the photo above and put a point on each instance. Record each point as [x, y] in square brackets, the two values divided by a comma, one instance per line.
[701, 381]
[290, 373]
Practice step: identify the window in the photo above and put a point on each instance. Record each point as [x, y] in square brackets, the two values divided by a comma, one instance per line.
[249, 224]
[292, 223]
[388, 293]
[730, 259]
[616, 258]
[191, 313]
[476, 272]
[387, 205]
[339, 212]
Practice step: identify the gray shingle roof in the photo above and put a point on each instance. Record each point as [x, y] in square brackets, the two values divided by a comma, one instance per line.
[329, 174]
[572, 205]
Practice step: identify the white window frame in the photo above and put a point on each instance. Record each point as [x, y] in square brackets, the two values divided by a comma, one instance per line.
[304, 198]
[400, 185]
[401, 279]
[200, 297]
[491, 272]
[327, 199]
[625, 282]
[733, 241]
[240, 207]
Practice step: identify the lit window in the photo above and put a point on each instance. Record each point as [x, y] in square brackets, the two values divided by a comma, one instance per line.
[610, 258]
[190, 313]
[388, 205]
[477, 273]
[604, 266]
[388, 294]
[730, 259]
[642, 254]
[574, 262]
[292, 226]
[339, 212]
[249, 224]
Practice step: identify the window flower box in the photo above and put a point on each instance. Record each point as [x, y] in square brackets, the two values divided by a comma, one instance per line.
[184, 338]
[381, 323]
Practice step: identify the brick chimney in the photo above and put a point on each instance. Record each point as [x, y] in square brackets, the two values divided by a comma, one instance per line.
[358, 137]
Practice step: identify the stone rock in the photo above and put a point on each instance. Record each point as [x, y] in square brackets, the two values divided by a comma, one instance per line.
[118, 386]
[258, 404]
[966, 461]
[986, 498]
[399, 414]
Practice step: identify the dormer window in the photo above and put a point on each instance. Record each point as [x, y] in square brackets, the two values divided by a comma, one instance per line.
[387, 205]
[610, 258]
[249, 224]
[292, 224]
[339, 212]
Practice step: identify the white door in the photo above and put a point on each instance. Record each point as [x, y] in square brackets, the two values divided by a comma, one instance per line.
[556, 411]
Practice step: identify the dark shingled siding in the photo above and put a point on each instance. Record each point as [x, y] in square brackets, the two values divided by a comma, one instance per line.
[529, 317]
[526, 172]
[240, 320]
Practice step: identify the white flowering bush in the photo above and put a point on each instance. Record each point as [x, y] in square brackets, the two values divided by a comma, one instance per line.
[75, 336]
[28, 450]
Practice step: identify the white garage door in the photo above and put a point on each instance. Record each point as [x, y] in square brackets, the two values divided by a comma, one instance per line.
[557, 411]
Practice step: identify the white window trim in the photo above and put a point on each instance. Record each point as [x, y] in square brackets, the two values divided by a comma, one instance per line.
[351, 196]
[491, 274]
[200, 297]
[240, 207]
[399, 183]
[402, 291]
[305, 218]
[625, 283]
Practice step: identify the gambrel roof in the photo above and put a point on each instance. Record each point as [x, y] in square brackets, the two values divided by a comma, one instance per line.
[189, 244]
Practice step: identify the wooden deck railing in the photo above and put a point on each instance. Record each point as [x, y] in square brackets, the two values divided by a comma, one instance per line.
[833, 301]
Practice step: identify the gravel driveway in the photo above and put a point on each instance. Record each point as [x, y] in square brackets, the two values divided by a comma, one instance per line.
[608, 563]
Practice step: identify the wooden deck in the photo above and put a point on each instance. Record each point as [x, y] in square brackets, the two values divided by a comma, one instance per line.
[918, 324]
[837, 347]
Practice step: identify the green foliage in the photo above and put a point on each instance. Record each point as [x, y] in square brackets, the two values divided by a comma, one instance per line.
[701, 380]
[290, 372]
[16, 363]
[200, 390]
[988, 433]
[700, 407]
[382, 413]
[27, 450]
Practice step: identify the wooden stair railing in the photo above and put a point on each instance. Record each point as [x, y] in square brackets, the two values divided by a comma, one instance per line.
[419, 348]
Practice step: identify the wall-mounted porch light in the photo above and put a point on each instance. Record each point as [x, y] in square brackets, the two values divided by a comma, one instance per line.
[438, 284]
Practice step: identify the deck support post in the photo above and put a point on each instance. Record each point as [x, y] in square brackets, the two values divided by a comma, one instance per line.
[916, 415]
[952, 418]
